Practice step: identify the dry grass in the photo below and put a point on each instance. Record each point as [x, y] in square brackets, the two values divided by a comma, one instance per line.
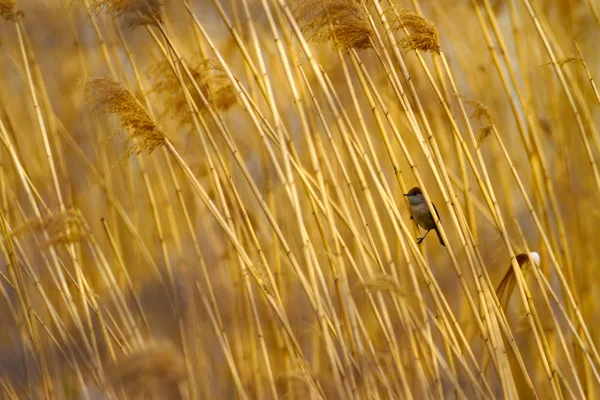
[254, 242]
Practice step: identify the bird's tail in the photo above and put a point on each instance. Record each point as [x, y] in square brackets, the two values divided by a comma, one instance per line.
[440, 237]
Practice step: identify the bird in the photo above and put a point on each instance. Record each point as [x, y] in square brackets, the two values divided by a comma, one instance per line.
[419, 212]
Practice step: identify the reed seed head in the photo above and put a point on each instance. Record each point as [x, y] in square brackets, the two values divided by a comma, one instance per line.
[107, 97]
[133, 12]
[8, 10]
[66, 227]
[480, 110]
[483, 133]
[210, 77]
[422, 36]
[152, 372]
[63, 227]
[341, 21]
[566, 60]
[215, 85]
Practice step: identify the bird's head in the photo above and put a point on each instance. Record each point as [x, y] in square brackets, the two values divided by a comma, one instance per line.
[415, 196]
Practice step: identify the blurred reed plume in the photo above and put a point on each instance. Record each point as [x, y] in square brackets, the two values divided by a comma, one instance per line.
[254, 241]
[483, 133]
[64, 227]
[107, 97]
[480, 111]
[152, 372]
[8, 9]
[340, 21]
[215, 84]
[209, 76]
[132, 12]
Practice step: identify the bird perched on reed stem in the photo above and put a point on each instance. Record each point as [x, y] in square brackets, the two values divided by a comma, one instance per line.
[421, 214]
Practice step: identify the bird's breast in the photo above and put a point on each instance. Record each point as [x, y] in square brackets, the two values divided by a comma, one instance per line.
[422, 216]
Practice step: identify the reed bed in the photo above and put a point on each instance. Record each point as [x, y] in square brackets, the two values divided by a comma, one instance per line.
[203, 199]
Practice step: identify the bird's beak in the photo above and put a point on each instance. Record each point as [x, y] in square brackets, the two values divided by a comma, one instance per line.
[406, 194]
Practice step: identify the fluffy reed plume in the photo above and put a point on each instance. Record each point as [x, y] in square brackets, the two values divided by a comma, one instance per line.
[342, 21]
[152, 372]
[422, 33]
[133, 12]
[210, 78]
[63, 227]
[480, 110]
[483, 133]
[8, 9]
[215, 85]
[566, 60]
[67, 227]
[107, 97]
